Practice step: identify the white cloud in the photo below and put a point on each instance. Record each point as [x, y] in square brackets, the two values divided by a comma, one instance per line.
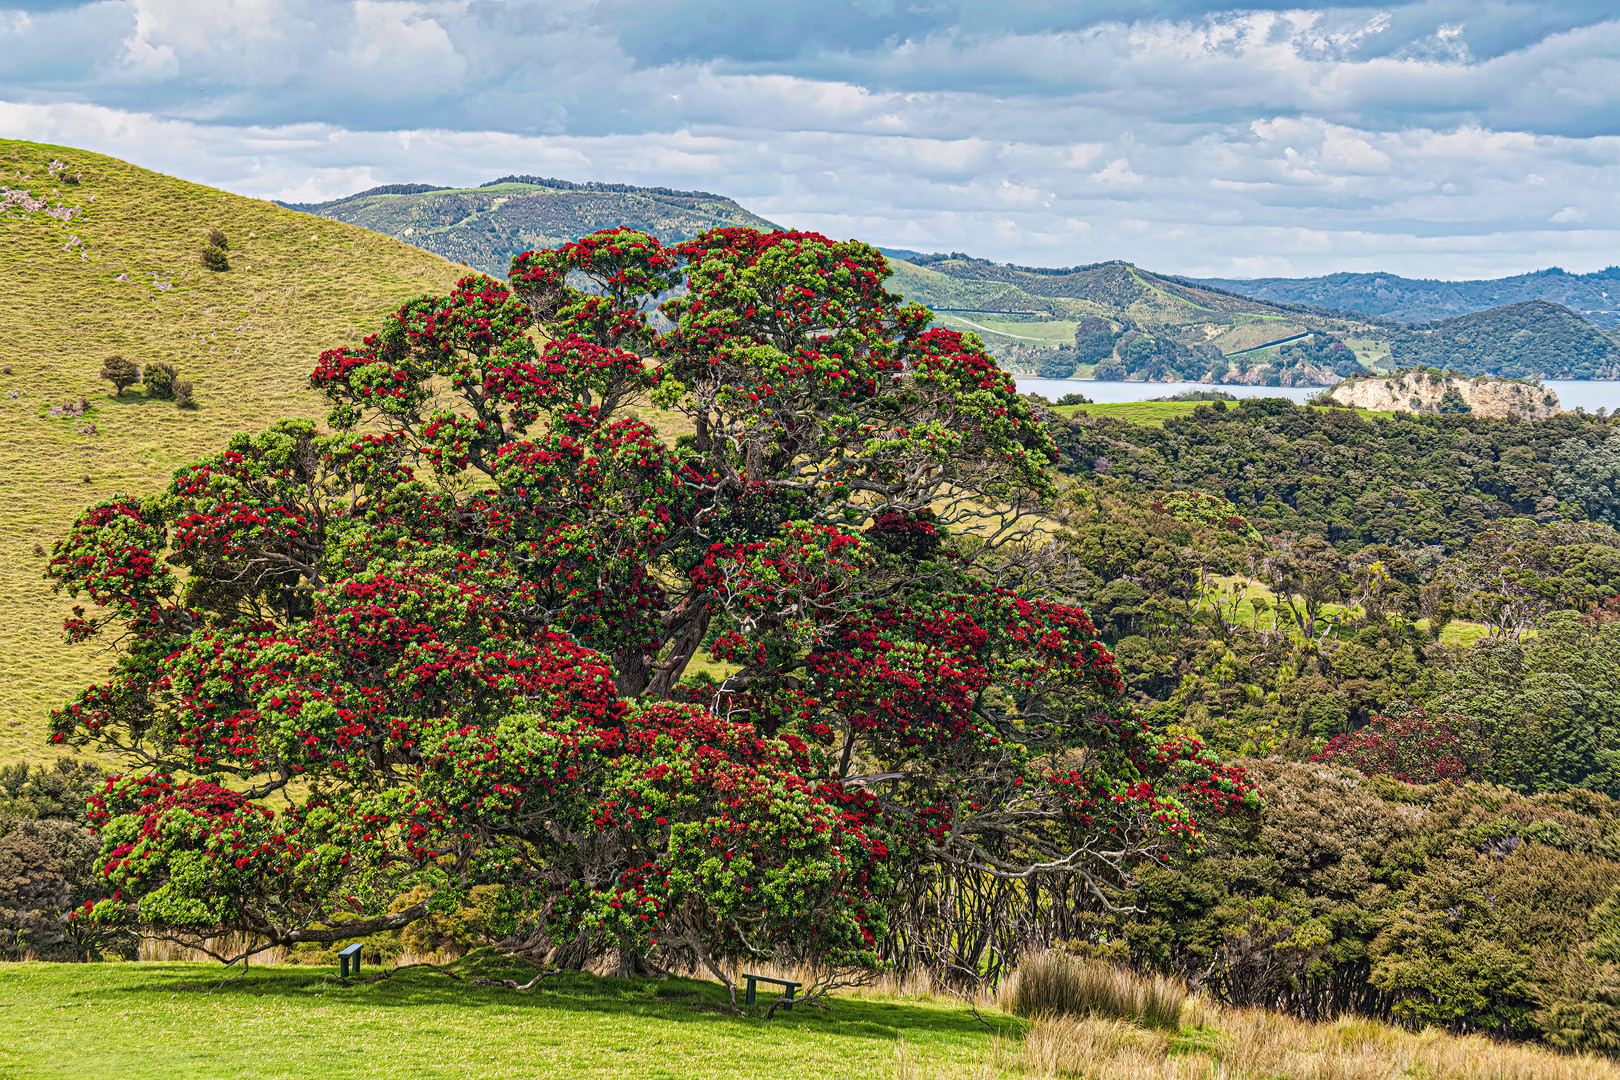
[1117, 171]
[1313, 139]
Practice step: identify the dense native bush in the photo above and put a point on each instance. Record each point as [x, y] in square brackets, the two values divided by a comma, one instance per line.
[1543, 713]
[47, 857]
[183, 394]
[1463, 906]
[1404, 480]
[461, 622]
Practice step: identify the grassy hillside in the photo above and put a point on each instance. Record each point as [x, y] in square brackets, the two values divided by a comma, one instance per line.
[121, 275]
[1596, 296]
[485, 226]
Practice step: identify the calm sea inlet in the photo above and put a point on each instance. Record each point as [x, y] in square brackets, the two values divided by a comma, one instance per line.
[1584, 394]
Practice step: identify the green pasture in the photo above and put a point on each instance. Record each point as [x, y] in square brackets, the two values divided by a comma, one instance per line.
[1001, 328]
[151, 1021]
[1155, 413]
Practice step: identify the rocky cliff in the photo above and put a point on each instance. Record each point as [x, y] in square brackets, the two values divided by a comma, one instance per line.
[1425, 392]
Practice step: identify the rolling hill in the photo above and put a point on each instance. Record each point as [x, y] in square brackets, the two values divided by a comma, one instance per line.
[1534, 339]
[485, 226]
[1594, 296]
[99, 257]
[1135, 324]
[1118, 321]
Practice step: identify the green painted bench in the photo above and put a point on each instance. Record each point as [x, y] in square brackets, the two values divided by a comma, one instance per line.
[345, 955]
[788, 984]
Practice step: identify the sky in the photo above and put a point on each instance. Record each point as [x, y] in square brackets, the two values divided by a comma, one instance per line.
[1438, 138]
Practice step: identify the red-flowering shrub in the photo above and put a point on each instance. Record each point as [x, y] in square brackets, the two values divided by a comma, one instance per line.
[462, 621]
[1415, 748]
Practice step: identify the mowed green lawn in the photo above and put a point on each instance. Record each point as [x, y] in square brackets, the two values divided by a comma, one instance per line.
[150, 1020]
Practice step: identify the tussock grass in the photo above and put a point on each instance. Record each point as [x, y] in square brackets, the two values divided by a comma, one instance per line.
[247, 338]
[1053, 983]
[1248, 1044]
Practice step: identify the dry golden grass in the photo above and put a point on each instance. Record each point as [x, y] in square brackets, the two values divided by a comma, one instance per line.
[1215, 1043]
[247, 338]
[1057, 984]
[1252, 1045]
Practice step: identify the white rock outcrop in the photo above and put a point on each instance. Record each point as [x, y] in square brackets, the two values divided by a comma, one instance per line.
[1423, 392]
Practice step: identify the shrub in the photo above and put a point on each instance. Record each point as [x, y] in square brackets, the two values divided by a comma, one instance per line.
[158, 379]
[216, 238]
[1056, 984]
[182, 394]
[1416, 748]
[120, 372]
[1072, 398]
[213, 257]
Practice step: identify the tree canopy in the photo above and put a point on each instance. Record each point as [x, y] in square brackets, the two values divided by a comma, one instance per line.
[776, 686]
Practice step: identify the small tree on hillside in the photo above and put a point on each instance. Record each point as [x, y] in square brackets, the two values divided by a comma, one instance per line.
[158, 379]
[120, 372]
[214, 258]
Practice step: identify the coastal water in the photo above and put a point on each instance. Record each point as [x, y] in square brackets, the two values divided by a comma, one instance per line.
[1572, 394]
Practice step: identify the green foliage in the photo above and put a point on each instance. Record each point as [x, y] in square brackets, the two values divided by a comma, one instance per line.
[158, 379]
[1588, 474]
[120, 372]
[215, 258]
[1056, 364]
[1178, 597]
[1543, 714]
[56, 793]
[47, 863]
[1452, 402]
[1446, 905]
[1399, 479]
[216, 238]
[183, 393]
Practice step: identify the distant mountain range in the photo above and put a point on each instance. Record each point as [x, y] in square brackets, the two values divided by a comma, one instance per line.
[1106, 320]
[487, 225]
[1596, 296]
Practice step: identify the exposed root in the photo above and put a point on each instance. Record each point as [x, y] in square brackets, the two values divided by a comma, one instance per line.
[513, 984]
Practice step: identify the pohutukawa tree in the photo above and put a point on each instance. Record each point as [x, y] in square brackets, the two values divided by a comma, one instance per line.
[777, 682]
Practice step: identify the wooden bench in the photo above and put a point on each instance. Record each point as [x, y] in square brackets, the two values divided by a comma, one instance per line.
[787, 998]
[345, 955]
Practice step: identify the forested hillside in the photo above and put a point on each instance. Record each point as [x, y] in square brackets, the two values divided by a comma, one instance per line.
[486, 226]
[1595, 296]
[1355, 479]
[1530, 340]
